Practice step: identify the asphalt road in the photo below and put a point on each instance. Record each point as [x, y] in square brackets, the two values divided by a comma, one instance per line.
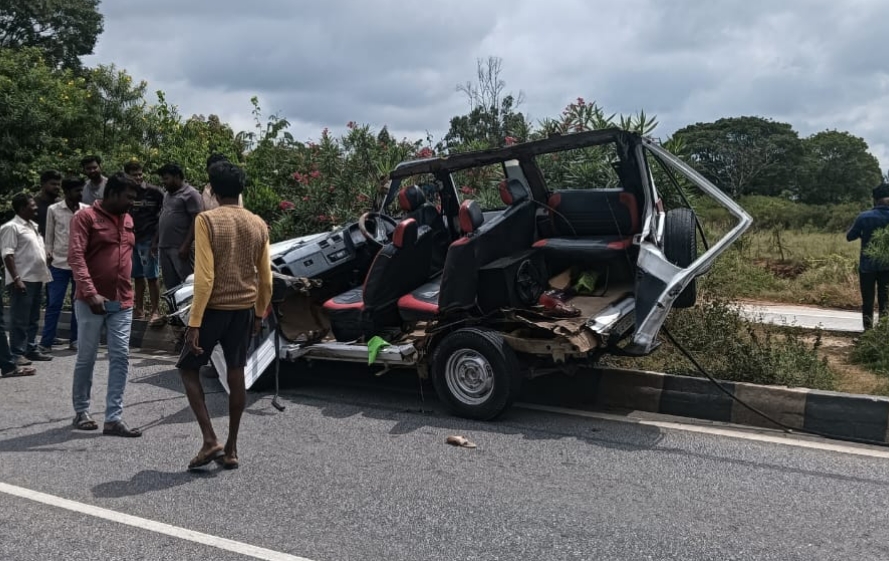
[361, 471]
[808, 317]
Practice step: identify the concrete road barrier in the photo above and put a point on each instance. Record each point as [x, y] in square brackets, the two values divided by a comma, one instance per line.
[843, 415]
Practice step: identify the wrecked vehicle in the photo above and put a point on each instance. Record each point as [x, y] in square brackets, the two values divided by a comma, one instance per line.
[580, 258]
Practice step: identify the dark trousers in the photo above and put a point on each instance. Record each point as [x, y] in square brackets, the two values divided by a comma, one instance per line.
[6, 363]
[61, 279]
[874, 284]
[24, 315]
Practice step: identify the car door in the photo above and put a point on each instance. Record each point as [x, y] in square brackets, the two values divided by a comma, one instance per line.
[658, 281]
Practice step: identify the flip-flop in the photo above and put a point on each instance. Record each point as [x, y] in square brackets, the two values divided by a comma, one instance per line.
[18, 372]
[227, 462]
[205, 458]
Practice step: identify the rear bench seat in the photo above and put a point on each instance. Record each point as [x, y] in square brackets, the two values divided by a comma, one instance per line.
[590, 225]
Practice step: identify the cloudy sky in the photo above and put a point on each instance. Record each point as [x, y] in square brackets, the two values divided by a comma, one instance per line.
[816, 64]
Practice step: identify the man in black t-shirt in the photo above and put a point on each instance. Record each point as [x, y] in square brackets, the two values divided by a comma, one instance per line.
[50, 189]
[146, 212]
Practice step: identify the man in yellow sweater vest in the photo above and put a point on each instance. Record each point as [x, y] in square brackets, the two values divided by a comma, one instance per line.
[232, 291]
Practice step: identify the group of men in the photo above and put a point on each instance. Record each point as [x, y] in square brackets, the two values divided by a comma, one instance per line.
[109, 239]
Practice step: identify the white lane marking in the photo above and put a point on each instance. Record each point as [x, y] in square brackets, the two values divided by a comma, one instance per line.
[776, 438]
[150, 525]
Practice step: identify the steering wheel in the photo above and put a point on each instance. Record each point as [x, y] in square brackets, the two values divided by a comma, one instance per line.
[380, 233]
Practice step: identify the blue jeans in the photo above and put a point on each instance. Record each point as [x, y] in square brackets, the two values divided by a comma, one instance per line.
[24, 315]
[61, 278]
[118, 326]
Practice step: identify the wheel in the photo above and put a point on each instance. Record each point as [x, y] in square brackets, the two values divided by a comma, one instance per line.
[476, 374]
[681, 249]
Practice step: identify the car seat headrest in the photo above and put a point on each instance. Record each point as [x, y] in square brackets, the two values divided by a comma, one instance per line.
[405, 234]
[513, 191]
[470, 216]
[411, 198]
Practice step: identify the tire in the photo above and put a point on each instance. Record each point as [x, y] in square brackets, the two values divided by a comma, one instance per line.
[681, 249]
[476, 374]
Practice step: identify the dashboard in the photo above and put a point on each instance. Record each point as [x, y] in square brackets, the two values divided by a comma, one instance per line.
[324, 255]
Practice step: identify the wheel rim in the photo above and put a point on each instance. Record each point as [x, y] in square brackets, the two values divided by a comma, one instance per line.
[469, 376]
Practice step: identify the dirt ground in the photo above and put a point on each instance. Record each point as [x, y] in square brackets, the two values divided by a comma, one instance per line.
[851, 378]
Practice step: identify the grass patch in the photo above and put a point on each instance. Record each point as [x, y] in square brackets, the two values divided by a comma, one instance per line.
[872, 350]
[811, 268]
[731, 348]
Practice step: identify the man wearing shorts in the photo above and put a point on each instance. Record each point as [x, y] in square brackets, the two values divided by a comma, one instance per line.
[146, 212]
[232, 290]
[175, 238]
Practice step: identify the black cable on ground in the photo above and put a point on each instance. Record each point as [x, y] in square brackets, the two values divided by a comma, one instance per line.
[766, 416]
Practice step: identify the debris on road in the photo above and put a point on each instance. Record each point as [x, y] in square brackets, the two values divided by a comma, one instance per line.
[460, 441]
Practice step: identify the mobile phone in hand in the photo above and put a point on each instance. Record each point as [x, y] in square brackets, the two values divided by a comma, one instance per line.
[112, 306]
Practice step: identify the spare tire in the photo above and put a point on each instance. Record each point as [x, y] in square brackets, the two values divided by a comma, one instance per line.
[681, 249]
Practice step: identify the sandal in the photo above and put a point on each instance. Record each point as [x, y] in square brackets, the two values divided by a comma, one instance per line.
[157, 320]
[228, 462]
[204, 457]
[21, 371]
[119, 428]
[83, 421]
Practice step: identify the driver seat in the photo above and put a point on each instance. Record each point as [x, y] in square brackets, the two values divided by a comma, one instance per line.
[414, 204]
[398, 268]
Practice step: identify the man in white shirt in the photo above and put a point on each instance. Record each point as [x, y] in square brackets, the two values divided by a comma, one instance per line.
[24, 255]
[58, 223]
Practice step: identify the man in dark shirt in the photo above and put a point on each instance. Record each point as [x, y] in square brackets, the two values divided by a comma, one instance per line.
[871, 273]
[50, 188]
[146, 211]
[175, 239]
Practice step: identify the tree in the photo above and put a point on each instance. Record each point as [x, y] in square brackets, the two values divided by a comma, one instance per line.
[118, 110]
[837, 168]
[493, 116]
[745, 155]
[64, 30]
[43, 112]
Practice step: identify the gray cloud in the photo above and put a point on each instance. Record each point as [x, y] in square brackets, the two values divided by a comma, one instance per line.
[816, 64]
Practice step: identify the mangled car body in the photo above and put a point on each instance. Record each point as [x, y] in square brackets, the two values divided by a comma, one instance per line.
[578, 256]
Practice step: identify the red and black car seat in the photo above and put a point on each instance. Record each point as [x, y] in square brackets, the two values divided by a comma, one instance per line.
[482, 242]
[590, 225]
[414, 204]
[398, 268]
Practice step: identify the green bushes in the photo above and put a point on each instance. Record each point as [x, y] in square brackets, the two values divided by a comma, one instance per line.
[872, 352]
[771, 213]
[878, 248]
[731, 348]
